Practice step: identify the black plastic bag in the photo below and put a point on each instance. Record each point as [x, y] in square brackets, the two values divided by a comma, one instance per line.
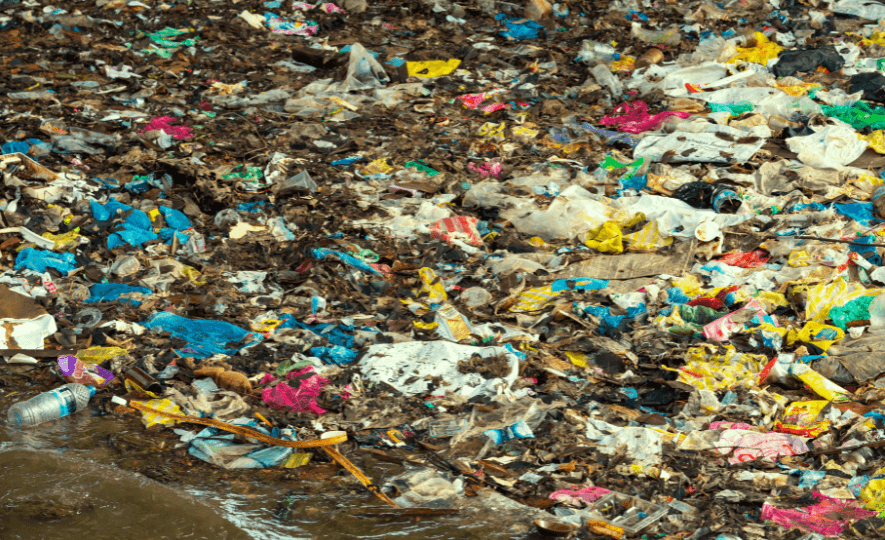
[791, 62]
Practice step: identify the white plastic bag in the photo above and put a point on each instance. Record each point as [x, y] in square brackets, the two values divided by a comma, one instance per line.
[406, 367]
[830, 147]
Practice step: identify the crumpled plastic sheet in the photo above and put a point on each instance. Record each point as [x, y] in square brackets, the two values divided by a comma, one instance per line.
[110, 292]
[791, 62]
[321, 253]
[138, 228]
[335, 354]
[39, 260]
[744, 445]
[298, 394]
[457, 228]
[203, 337]
[278, 25]
[854, 310]
[749, 259]
[634, 118]
[164, 123]
[827, 516]
[859, 116]
[575, 497]
[519, 28]
[764, 51]
[218, 447]
[490, 169]
[718, 371]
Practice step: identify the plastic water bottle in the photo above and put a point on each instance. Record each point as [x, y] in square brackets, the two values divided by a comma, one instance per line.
[595, 51]
[62, 401]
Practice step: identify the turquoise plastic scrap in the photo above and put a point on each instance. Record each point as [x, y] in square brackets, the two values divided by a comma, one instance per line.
[858, 116]
[111, 292]
[321, 253]
[861, 212]
[733, 109]
[335, 354]
[204, 337]
[579, 284]
[855, 310]
[518, 28]
[39, 260]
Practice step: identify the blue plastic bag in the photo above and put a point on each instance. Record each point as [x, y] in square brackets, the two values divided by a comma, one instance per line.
[39, 260]
[204, 337]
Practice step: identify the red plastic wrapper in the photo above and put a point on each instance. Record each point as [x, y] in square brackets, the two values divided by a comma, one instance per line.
[750, 259]
[457, 228]
[717, 302]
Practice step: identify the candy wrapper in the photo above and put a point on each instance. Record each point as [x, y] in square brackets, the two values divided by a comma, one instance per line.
[822, 386]
[800, 418]
[76, 371]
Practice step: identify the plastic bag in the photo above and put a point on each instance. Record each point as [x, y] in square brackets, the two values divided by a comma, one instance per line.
[830, 147]
[364, 71]
[791, 62]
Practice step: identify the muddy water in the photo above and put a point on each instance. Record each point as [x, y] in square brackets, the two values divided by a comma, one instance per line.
[75, 479]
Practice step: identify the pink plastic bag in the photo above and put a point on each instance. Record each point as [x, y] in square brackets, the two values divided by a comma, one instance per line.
[746, 445]
[164, 123]
[827, 516]
[574, 497]
[300, 398]
[634, 118]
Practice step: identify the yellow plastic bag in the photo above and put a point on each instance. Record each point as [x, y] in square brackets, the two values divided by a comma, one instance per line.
[534, 299]
[772, 300]
[492, 131]
[874, 492]
[823, 296]
[66, 241]
[525, 132]
[432, 68]
[876, 38]
[690, 285]
[164, 405]
[378, 166]
[577, 358]
[816, 333]
[97, 355]
[432, 286]
[607, 238]
[875, 140]
[764, 51]
[706, 372]
[798, 259]
[797, 90]
[193, 275]
[648, 238]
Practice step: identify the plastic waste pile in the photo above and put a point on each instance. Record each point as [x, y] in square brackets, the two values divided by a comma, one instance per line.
[614, 270]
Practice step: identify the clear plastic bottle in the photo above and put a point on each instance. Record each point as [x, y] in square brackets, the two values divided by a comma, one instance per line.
[594, 51]
[51, 405]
